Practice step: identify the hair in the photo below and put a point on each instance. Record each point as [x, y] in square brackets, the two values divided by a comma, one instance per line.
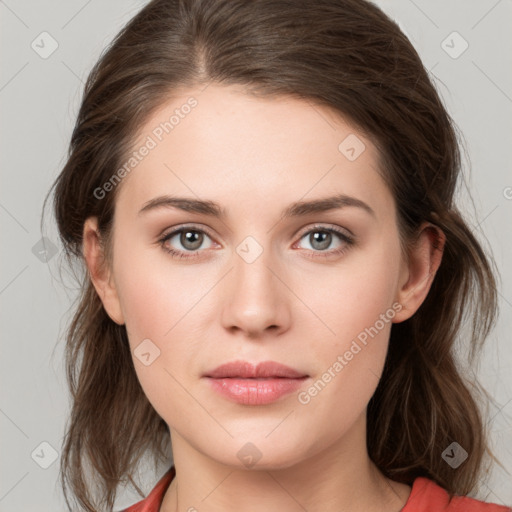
[346, 55]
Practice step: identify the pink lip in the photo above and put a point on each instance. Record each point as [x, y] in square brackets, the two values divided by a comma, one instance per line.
[244, 383]
[246, 370]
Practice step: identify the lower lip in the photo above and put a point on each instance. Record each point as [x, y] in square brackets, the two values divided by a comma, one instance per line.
[255, 391]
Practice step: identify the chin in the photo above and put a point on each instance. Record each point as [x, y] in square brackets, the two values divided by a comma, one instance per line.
[260, 453]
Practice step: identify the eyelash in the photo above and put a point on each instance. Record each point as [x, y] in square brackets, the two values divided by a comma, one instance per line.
[347, 239]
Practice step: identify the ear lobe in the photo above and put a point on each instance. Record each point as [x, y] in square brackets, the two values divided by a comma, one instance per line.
[424, 260]
[99, 271]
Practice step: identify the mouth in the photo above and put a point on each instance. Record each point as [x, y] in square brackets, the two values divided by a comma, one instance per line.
[246, 384]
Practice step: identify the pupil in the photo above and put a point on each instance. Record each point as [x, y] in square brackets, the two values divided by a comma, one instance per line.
[323, 237]
[188, 237]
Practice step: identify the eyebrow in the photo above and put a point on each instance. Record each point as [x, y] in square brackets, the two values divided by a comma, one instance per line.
[297, 209]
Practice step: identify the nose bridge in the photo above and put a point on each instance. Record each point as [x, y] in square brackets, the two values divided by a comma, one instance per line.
[257, 298]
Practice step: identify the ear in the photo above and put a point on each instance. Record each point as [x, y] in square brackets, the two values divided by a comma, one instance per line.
[418, 273]
[99, 271]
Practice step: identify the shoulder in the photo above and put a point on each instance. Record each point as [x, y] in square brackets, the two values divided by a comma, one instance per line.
[427, 496]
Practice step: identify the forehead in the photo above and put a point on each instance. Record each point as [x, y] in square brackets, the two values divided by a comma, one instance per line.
[223, 144]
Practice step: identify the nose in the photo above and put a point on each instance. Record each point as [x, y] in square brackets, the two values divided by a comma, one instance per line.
[256, 301]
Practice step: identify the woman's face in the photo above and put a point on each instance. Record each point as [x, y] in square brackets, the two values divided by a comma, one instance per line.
[254, 284]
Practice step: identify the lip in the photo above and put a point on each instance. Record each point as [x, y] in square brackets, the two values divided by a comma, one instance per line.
[246, 370]
[245, 383]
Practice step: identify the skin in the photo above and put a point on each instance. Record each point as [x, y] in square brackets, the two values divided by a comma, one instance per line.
[255, 157]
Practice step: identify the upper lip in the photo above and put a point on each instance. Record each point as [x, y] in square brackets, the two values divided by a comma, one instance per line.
[247, 370]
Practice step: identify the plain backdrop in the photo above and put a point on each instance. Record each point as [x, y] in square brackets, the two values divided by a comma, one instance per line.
[466, 45]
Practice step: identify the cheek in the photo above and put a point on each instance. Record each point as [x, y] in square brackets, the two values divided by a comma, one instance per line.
[347, 369]
[358, 307]
[353, 297]
[155, 294]
[161, 304]
[360, 317]
[147, 306]
[155, 316]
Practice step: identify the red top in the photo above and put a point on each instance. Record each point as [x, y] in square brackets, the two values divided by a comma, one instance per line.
[426, 496]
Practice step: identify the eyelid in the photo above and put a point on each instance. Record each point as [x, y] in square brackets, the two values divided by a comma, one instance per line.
[319, 226]
[181, 227]
[303, 231]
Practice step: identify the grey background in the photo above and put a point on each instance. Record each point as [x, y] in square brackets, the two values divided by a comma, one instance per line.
[39, 98]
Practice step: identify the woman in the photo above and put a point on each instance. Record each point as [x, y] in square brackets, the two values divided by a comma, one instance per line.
[262, 194]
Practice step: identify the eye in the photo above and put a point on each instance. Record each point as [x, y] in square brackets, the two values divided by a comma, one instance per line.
[190, 238]
[321, 238]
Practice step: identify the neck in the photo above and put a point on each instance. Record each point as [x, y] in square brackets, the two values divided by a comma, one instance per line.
[339, 478]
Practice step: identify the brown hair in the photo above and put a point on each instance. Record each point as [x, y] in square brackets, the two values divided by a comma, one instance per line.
[349, 56]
